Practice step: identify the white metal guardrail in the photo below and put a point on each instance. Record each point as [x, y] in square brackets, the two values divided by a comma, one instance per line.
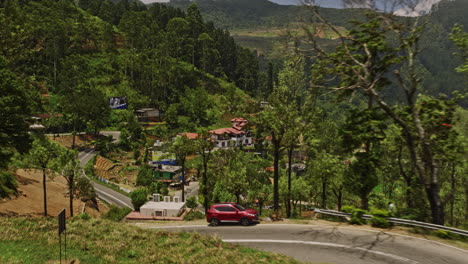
[399, 221]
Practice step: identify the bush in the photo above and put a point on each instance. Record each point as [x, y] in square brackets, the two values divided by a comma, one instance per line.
[381, 222]
[139, 198]
[116, 214]
[155, 187]
[89, 167]
[145, 176]
[379, 213]
[416, 214]
[444, 234]
[191, 202]
[192, 215]
[356, 217]
[347, 209]
[8, 184]
[356, 214]
[84, 216]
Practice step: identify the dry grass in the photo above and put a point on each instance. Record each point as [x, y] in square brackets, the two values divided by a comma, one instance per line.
[101, 241]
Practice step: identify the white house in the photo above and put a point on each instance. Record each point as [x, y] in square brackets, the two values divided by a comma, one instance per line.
[170, 206]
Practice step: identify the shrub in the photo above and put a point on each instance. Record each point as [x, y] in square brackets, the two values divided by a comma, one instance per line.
[348, 209]
[192, 215]
[8, 184]
[379, 213]
[191, 202]
[381, 222]
[84, 216]
[89, 167]
[356, 217]
[443, 234]
[116, 214]
[145, 176]
[139, 198]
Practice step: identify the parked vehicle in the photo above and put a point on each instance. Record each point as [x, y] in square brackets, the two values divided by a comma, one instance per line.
[231, 213]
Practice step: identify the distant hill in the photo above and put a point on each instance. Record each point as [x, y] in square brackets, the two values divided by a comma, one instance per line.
[235, 14]
[259, 24]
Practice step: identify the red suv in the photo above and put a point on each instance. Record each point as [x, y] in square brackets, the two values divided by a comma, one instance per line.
[229, 213]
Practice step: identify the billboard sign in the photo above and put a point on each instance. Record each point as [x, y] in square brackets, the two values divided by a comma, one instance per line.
[118, 102]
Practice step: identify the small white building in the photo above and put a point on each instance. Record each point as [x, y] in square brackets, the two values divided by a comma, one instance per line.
[170, 206]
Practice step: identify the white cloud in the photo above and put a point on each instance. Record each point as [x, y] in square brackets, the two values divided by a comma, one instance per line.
[422, 7]
[146, 2]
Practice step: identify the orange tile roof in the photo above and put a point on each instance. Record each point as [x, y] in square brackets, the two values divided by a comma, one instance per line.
[228, 130]
[189, 135]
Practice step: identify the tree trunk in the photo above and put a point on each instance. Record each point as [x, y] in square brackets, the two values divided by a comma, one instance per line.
[364, 202]
[452, 194]
[426, 168]
[437, 208]
[44, 186]
[276, 156]
[466, 199]
[205, 185]
[288, 205]
[340, 199]
[73, 139]
[183, 180]
[324, 193]
[70, 189]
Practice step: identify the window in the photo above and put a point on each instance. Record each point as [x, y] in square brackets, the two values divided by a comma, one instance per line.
[230, 209]
[240, 207]
[225, 209]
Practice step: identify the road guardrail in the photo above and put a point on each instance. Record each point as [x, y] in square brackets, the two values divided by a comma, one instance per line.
[399, 221]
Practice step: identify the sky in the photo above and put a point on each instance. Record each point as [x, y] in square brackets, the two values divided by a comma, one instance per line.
[422, 7]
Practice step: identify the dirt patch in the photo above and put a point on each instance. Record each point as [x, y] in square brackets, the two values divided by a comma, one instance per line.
[81, 140]
[29, 201]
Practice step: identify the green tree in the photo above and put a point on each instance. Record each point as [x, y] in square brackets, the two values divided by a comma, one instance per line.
[85, 190]
[182, 147]
[69, 167]
[145, 176]
[204, 147]
[15, 110]
[378, 45]
[8, 185]
[460, 38]
[41, 156]
[139, 198]
[281, 119]
[230, 169]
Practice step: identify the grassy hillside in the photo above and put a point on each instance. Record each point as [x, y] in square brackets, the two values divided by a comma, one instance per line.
[24, 240]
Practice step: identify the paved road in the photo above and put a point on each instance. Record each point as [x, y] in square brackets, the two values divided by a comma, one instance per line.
[331, 244]
[115, 135]
[102, 191]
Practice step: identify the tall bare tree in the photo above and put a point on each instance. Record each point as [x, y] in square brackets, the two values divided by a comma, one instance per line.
[378, 45]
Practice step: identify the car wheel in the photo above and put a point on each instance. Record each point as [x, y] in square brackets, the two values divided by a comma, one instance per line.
[245, 221]
[214, 222]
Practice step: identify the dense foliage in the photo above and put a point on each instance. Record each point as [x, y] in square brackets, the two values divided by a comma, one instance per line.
[157, 57]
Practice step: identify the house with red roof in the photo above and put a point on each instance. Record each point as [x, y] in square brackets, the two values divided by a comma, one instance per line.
[235, 136]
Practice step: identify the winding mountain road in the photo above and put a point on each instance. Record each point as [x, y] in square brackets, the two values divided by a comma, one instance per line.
[333, 244]
[105, 193]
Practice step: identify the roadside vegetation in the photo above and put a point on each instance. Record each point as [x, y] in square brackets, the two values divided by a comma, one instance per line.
[24, 240]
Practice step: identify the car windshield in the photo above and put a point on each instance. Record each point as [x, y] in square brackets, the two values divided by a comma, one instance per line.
[240, 207]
